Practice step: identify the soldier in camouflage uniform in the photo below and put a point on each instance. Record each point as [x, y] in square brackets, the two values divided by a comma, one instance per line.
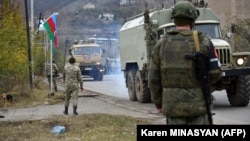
[55, 72]
[175, 88]
[73, 77]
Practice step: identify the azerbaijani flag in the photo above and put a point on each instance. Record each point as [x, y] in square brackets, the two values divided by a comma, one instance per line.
[50, 26]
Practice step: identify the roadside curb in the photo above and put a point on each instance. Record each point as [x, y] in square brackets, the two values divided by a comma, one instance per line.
[115, 101]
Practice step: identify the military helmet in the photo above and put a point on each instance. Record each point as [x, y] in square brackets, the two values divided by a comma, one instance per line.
[185, 10]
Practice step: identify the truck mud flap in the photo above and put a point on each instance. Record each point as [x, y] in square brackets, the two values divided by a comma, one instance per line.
[236, 72]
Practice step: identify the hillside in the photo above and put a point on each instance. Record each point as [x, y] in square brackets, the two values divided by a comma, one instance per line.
[74, 22]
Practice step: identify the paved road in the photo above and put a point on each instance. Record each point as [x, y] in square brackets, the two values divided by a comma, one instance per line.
[114, 85]
[110, 96]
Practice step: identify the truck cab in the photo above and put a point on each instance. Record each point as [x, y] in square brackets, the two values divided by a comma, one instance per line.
[89, 57]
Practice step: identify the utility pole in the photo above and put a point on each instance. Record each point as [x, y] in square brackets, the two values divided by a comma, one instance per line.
[67, 42]
[32, 37]
[29, 46]
[31, 15]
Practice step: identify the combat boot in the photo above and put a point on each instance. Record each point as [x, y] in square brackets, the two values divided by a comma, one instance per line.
[65, 111]
[74, 110]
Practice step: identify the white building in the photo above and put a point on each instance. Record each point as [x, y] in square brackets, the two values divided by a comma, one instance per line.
[107, 16]
[126, 2]
[89, 6]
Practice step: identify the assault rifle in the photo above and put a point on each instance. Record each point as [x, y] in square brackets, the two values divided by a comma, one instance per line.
[202, 74]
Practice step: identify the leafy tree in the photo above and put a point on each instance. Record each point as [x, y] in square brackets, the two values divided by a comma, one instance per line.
[13, 45]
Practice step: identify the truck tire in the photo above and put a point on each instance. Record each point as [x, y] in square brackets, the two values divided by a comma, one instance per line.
[239, 93]
[100, 76]
[131, 85]
[95, 77]
[142, 89]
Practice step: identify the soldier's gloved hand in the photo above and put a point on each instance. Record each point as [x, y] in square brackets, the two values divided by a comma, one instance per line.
[81, 89]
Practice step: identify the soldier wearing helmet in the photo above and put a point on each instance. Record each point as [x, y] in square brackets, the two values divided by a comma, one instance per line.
[184, 13]
[175, 89]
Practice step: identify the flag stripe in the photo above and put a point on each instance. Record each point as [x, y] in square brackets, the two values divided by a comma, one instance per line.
[47, 27]
[55, 31]
[50, 26]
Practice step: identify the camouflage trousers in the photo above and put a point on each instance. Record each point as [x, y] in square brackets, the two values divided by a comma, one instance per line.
[196, 120]
[71, 91]
[53, 80]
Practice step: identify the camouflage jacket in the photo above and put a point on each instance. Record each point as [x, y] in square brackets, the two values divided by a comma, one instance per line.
[176, 100]
[55, 69]
[72, 75]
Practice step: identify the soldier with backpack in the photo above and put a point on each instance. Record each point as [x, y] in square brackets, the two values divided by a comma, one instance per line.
[176, 90]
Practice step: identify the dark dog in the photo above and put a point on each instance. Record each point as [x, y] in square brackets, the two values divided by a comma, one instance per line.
[7, 99]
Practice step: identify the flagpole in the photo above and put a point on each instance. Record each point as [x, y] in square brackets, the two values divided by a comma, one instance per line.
[51, 67]
[50, 26]
[45, 53]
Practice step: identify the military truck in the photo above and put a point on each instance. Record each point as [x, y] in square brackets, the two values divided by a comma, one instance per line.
[140, 33]
[89, 57]
[111, 57]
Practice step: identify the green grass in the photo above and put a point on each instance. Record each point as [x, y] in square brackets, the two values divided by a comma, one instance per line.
[91, 127]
